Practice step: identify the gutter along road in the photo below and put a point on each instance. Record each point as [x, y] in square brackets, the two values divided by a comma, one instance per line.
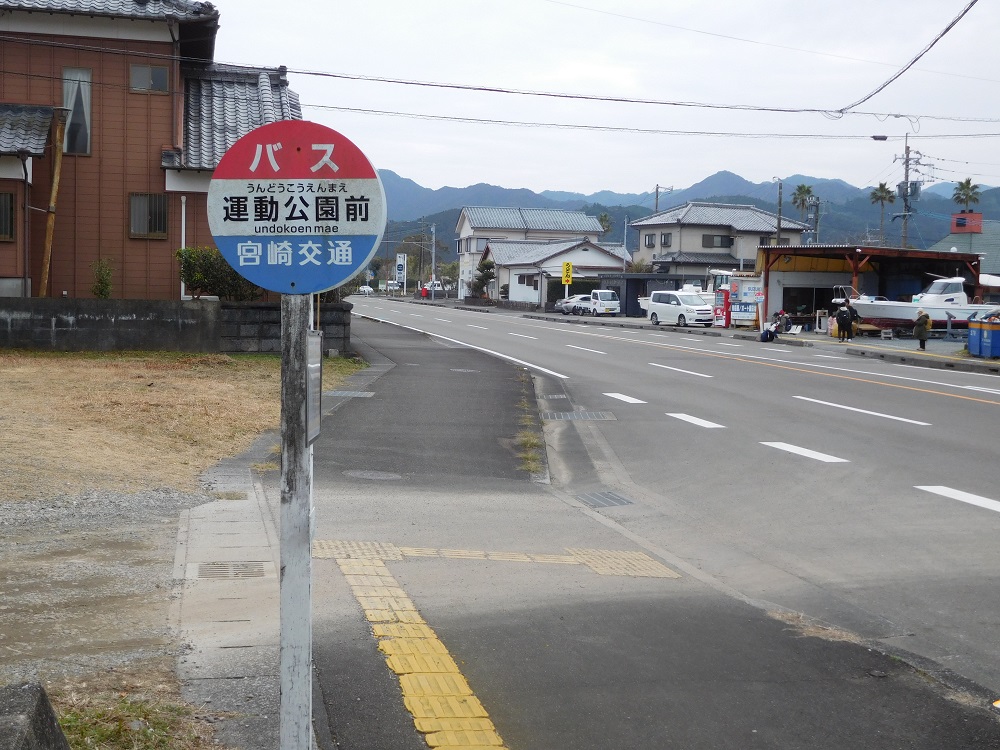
[858, 493]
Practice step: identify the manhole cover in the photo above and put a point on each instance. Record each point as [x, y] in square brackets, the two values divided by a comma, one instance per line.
[373, 475]
[603, 499]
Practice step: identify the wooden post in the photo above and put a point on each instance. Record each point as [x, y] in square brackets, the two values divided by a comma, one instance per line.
[295, 725]
[50, 222]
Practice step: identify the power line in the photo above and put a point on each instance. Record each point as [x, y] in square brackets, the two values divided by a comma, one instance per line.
[912, 62]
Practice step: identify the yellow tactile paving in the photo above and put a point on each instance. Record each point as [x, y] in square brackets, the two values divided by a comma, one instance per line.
[381, 592]
[355, 550]
[413, 646]
[388, 615]
[418, 552]
[421, 663]
[445, 707]
[620, 563]
[434, 685]
[399, 630]
[470, 554]
[454, 725]
[369, 580]
[464, 739]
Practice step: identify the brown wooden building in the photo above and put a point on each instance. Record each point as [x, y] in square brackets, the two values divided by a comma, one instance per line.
[112, 118]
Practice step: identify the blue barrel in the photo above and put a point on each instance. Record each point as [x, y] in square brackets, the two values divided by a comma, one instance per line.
[976, 338]
[991, 339]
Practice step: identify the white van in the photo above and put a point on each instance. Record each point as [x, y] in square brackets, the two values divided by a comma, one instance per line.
[679, 308]
[600, 302]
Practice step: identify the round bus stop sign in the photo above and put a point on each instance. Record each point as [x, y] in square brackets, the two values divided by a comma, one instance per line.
[296, 208]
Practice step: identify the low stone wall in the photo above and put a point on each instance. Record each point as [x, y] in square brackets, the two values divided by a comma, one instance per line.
[522, 306]
[206, 326]
[27, 721]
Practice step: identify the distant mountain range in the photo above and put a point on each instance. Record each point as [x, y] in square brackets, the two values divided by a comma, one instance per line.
[847, 214]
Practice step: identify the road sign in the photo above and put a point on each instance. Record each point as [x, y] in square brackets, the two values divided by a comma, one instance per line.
[400, 268]
[567, 274]
[296, 208]
[758, 297]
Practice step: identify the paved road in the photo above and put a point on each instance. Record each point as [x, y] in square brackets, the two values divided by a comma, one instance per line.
[608, 608]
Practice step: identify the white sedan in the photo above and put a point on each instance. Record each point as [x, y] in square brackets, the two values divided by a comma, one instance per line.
[565, 305]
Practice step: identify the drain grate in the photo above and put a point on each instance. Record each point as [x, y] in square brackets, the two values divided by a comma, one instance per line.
[250, 569]
[603, 499]
[550, 396]
[580, 416]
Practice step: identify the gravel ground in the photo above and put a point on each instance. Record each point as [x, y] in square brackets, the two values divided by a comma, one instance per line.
[85, 581]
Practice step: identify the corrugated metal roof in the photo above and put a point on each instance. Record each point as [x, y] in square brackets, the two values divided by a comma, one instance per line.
[531, 219]
[222, 103]
[24, 129]
[741, 218]
[154, 10]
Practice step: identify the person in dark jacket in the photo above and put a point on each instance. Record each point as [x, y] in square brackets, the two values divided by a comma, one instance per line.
[855, 319]
[844, 323]
[921, 328]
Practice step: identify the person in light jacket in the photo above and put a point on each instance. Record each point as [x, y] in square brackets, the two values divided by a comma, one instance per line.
[921, 328]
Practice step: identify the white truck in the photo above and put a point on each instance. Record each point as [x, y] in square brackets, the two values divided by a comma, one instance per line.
[600, 302]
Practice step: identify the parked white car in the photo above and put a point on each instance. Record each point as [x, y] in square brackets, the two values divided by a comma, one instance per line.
[565, 304]
[599, 302]
[679, 308]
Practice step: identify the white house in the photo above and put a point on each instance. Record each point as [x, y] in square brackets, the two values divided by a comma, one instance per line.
[478, 225]
[720, 232]
[526, 266]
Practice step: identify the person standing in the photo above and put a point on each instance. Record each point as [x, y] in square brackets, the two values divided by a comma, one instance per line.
[921, 328]
[844, 322]
[855, 317]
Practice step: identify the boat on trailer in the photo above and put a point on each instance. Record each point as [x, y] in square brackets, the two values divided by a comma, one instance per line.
[944, 300]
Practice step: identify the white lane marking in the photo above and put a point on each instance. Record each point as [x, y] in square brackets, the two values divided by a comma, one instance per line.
[829, 356]
[482, 328]
[697, 421]
[522, 336]
[585, 349]
[824, 457]
[991, 391]
[623, 397]
[964, 497]
[687, 338]
[863, 411]
[443, 320]
[686, 372]
[416, 315]
[723, 343]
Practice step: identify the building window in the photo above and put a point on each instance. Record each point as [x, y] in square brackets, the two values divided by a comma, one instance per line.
[76, 98]
[650, 240]
[6, 216]
[666, 239]
[148, 215]
[716, 240]
[149, 78]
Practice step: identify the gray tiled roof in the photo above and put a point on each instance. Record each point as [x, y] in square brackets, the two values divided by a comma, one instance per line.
[723, 260]
[535, 219]
[222, 103]
[986, 243]
[24, 128]
[515, 252]
[161, 10]
[740, 217]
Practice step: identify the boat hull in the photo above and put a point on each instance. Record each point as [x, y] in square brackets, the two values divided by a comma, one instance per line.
[888, 314]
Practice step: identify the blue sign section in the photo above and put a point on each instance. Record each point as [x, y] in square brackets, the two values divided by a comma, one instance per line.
[297, 265]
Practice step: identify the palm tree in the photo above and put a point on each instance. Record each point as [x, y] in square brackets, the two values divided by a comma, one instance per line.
[882, 194]
[800, 199]
[966, 193]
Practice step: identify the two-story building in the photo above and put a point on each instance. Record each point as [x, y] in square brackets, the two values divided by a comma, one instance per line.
[113, 117]
[685, 241]
[478, 225]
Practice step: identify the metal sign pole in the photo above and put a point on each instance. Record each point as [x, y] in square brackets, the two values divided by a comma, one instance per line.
[295, 726]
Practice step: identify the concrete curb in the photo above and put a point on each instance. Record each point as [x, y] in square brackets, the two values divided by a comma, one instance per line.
[27, 721]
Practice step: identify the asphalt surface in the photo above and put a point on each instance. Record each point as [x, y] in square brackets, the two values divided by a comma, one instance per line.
[569, 631]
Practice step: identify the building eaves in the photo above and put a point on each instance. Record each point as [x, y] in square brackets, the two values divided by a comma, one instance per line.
[738, 217]
[24, 129]
[152, 10]
[522, 252]
[222, 103]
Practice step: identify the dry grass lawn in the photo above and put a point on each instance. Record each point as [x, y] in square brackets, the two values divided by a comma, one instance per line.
[131, 421]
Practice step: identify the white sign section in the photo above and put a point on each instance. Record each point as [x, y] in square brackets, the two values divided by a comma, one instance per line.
[296, 208]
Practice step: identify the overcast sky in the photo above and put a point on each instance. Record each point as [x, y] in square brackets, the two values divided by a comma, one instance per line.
[733, 54]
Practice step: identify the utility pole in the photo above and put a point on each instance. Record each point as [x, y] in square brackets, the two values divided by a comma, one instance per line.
[906, 187]
[433, 248]
[624, 243]
[657, 203]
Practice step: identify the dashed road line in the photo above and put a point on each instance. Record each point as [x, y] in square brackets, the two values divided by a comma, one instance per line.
[863, 411]
[965, 497]
[522, 336]
[686, 372]
[623, 397]
[697, 420]
[816, 455]
[585, 349]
